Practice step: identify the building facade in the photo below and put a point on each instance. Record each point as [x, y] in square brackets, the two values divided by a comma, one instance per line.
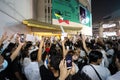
[68, 10]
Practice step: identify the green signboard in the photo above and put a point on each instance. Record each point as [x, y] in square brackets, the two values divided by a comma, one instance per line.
[70, 10]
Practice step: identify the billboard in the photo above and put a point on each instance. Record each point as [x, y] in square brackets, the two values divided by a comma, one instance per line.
[70, 13]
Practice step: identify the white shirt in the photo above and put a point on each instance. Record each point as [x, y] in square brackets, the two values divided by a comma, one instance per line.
[102, 71]
[32, 71]
[76, 68]
[116, 76]
[26, 61]
[105, 61]
[110, 52]
[82, 53]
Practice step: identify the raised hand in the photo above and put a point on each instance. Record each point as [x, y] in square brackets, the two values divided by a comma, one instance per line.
[20, 43]
[64, 72]
[73, 70]
[83, 37]
[4, 36]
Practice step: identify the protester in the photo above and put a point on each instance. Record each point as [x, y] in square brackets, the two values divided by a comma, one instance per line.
[53, 59]
[5, 63]
[116, 76]
[94, 70]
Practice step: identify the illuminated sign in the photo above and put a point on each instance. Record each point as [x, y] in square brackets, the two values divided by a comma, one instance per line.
[70, 12]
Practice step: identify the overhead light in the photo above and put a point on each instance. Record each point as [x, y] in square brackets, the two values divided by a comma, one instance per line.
[107, 17]
[108, 25]
[109, 34]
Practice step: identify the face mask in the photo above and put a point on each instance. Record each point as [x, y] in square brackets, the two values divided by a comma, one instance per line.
[4, 65]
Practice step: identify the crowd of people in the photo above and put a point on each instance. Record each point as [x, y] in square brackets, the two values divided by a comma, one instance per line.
[73, 58]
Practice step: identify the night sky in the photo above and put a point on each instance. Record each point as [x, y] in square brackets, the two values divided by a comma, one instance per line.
[102, 8]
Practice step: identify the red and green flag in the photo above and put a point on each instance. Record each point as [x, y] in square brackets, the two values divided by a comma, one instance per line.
[60, 18]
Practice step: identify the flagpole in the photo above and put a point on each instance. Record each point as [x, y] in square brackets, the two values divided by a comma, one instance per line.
[61, 27]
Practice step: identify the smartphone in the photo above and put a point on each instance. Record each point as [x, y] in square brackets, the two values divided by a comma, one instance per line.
[22, 38]
[69, 61]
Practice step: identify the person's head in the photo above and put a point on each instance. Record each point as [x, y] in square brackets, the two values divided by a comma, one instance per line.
[54, 61]
[80, 75]
[92, 41]
[117, 59]
[74, 53]
[26, 49]
[89, 45]
[109, 44]
[47, 44]
[95, 57]
[28, 45]
[33, 55]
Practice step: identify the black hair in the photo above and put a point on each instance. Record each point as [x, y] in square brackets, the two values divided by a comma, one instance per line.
[44, 55]
[24, 52]
[52, 49]
[79, 44]
[33, 55]
[55, 60]
[71, 52]
[55, 57]
[89, 45]
[28, 45]
[80, 75]
[9, 48]
[110, 43]
[94, 56]
[92, 41]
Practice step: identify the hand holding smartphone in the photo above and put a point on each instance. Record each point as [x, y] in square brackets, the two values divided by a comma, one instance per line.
[69, 61]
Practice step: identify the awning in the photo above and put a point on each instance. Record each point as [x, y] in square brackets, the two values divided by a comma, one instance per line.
[42, 25]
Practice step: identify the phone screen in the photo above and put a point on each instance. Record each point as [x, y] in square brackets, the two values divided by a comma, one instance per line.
[22, 37]
[69, 61]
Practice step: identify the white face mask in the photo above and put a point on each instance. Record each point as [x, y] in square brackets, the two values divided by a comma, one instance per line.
[4, 65]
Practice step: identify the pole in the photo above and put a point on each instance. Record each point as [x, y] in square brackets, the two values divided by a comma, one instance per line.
[62, 29]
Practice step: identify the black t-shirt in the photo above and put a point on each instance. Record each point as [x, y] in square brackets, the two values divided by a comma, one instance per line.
[4, 73]
[46, 74]
[81, 76]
